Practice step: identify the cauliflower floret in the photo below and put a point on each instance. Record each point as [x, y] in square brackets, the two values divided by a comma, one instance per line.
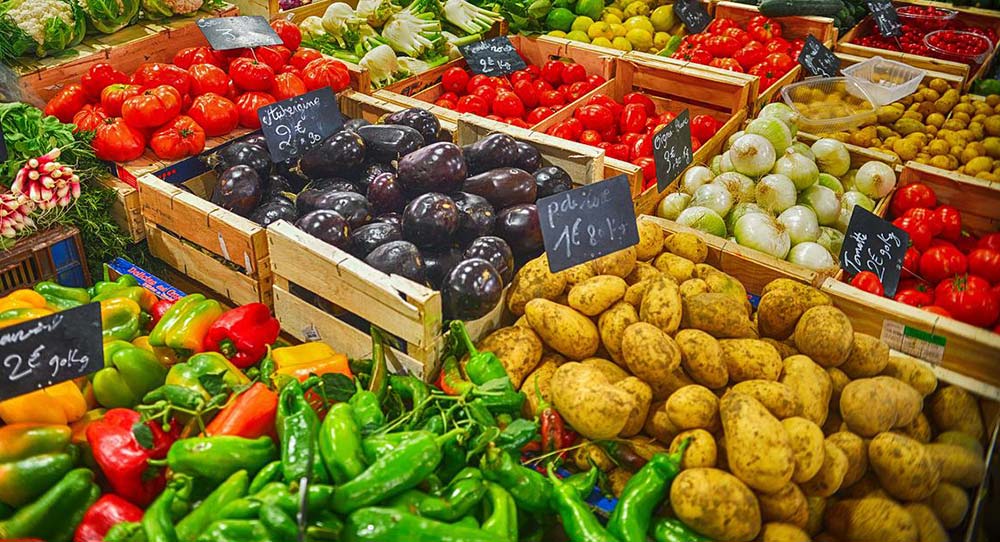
[31, 16]
[181, 7]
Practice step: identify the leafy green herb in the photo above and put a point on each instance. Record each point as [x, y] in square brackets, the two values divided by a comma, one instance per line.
[143, 435]
[338, 387]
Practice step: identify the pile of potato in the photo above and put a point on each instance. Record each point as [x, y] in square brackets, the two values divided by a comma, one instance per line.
[800, 428]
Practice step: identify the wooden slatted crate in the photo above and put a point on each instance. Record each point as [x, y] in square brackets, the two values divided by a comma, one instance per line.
[357, 105]
[126, 211]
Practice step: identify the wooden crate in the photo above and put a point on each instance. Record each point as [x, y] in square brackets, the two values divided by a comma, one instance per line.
[357, 105]
[53, 254]
[150, 164]
[126, 49]
[126, 211]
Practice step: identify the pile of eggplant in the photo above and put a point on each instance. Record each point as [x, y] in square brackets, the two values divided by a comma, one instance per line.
[396, 195]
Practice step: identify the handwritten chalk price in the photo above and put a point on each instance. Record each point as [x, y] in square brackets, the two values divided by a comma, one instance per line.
[873, 244]
[885, 17]
[224, 33]
[496, 56]
[672, 150]
[293, 126]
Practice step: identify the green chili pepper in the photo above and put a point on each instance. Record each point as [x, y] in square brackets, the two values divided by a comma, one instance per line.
[378, 446]
[482, 366]
[157, 522]
[298, 427]
[642, 494]
[478, 412]
[461, 495]
[367, 411]
[270, 473]
[508, 401]
[340, 444]
[451, 380]
[528, 487]
[55, 514]
[217, 458]
[414, 390]
[201, 517]
[388, 525]
[245, 508]
[516, 435]
[126, 531]
[501, 519]
[468, 522]
[236, 530]
[408, 501]
[583, 482]
[674, 530]
[453, 458]
[434, 424]
[325, 527]
[277, 523]
[62, 297]
[580, 524]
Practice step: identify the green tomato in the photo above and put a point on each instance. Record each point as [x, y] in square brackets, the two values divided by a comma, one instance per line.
[560, 19]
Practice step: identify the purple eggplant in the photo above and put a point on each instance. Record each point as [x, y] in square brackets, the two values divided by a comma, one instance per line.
[430, 220]
[491, 152]
[326, 225]
[342, 153]
[354, 124]
[438, 167]
[370, 171]
[398, 258]
[390, 218]
[239, 189]
[385, 194]
[370, 236]
[387, 142]
[352, 206]
[496, 251]
[519, 226]
[273, 211]
[438, 263]
[552, 180]
[242, 153]
[419, 119]
[476, 216]
[503, 187]
[471, 290]
[528, 158]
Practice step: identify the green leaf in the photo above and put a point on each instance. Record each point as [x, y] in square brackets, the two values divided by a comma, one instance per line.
[338, 387]
[496, 385]
[214, 383]
[143, 435]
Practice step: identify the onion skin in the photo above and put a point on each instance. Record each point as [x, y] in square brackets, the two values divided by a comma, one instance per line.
[752, 155]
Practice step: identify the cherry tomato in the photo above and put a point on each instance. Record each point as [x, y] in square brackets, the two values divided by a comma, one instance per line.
[99, 76]
[910, 196]
[969, 299]
[941, 262]
[526, 92]
[640, 98]
[472, 104]
[507, 104]
[552, 71]
[868, 282]
[67, 102]
[951, 222]
[985, 263]
[455, 79]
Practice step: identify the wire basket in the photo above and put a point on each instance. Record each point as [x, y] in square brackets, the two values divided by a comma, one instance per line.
[829, 104]
[885, 81]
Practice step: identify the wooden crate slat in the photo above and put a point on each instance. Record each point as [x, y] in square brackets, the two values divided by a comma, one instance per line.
[126, 211]
[357, 105]
[726, 91]
[976, 198]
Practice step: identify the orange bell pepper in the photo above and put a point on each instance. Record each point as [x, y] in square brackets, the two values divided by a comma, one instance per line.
[249, 414]
[62, 403]
[309, 358]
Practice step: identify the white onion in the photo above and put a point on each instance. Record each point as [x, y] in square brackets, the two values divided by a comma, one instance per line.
[726, 164]
[671, 206]
[731, 139]
[713, 196]
[831, 182]
[800, 169]
[764, 233]
[875, 179]
[853, 197]
[774, 130]
[738, 211]
[703, 219]
[775, 193]
[695, 177]
[847, 179]
[783, 113]
[739, 185]
[823, 201]
[752, 155]
[831, 240]
[801, 224]
[831, 156]
[716, 164]
[811, 255]
[804, 150]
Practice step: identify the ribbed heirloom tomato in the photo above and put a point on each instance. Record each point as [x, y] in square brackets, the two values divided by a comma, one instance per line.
[99, 76]
[67, 102]
[155, 74]
[189, 56]
[289, 33]
[89, 118]
[247, 105]
[116, 141]
[208, 78]
[288, 85]
[113, 96]
[326, 72]
[152, 108]
[216, 114]
[250, 74]
[969, 299]
[179, 138]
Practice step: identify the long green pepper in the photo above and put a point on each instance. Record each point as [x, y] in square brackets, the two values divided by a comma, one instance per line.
[157, 522]
[529, 488]
[642, 494]
[340, 444]
[501, 518]
[298, 428]
[674, 530]
[54, 515]
[388, 525]
[191, 527]
[580, 524]
[459, 498]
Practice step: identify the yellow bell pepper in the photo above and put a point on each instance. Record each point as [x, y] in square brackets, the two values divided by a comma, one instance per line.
[62, 403]
[22, 299]
[166, 356]
[309, 358]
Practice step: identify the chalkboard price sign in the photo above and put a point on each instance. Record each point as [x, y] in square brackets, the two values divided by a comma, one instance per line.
[49, 350]
[225, 33]
[672, 150]
[885, 17]
[693, 14]
[495, 56]
[585, 223]
[3, 146]
[294, 125]
[818, 59]
[873, 244]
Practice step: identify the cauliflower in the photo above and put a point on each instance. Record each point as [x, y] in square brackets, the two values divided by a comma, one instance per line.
[109, 16]
[471, 19]
[39, 26]
[161, 9]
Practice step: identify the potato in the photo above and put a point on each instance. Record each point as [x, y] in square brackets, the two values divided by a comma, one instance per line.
[911, 372]
[856, 451]
[806, 440]
[646, 447]
[950, 504]
[641, 397]
[612, 371]
[787, 505]
[687, 245]
[658, 424]
[635, 292]
[903, 466]
[578, 273]
[775, 396]
[563, 329]
[867, 486]
[642, 272]
[811, 384]
[870, 406]
[812, 296]
[839, 379]
[957, 465]
[701, 358]
[816, 506]
[594, 407]
[612, 324]
[831, 474]
[721, 283]
[869, 356]
[651, 355]
[757, 446]
[720, 315]
[619, 263]
[518, 348]
[617, 479]
[651, 237]
[964, 440]
[661, 305]
[701, 451]
[538, 383]
[833, 424]
[870, 519]
[534, 280]
[716, 504]
[694, 407]
[680, 269]
[592, 455]
[954, 409]
[594, 295]
[780, 309]
[919, 429]
[693, 287]
[750, 359]
[824, 334]
[927, 523]
[784, 348]
[782, 532]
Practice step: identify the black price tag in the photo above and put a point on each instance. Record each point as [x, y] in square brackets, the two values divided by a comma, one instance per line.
[818, 59]
[294, 125]
[495, 56]
[672, 150]
[693, 14]
[49, 350]
[885, 17]
[3, 146]
[225, 33]
[585, 223]
[873, 244]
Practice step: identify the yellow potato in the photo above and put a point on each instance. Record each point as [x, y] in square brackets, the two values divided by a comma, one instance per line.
[870, 518]
[903, 466]
[780, 308]
[646, 447]
[538, 384]
[816, 506]
[658, 424]
[577, 273]
[868, 357]
[694, 407]
[594, 407]
[619, 263]
[534, 280]
[642, 272]
[716, 504]
[611, 370]
[954, 409]
[870, 406]
[784, 349]
[651, 355]
[677, 267]
[590, 455]
[950, 504]
[787, 505]
[693, 287]
[824, 334]
[612, 324]
[918, 429]
[776, 397]
[957, 465]
[750, 359]
[594, 295]
[720, 283]
[651, 237]
[720, 315]
[701, 358]
[856, 451]
[661, 305]
[518, 348]
[563, 329]
[687, 245]
[831, 474]
[782, 532]
[757, 446]
[806, 440]
[701, 451]
[641, 397]
[911, 372]
[839, 379]
[927, 523]
[964, 440]
[635, 292]
[811, 384]
[617, 479]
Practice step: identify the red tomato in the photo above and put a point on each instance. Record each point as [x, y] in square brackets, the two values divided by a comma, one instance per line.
[445, 103]
[927, 216]
[768, 75]
[303, 57]
[275, 56]
[152, 108]
[516, 121]
[868, 282]
[249, 74]
[507, 104]
[89, 118]
[698, 56]
[750, 55]
[720, 25]
[187, 57]
[288, 85]
[534, 71]
[969, 299]
[216, 114]
[564, 90]
[985, 263]
[552, 72]
[179, 138]
[608, 102]
[966, 242]
[590, 137]
[780, 62]
[486, 92]
[910, 196]
[778, 45]
[633, 118]
[937, 310]
[573, 73]
[67, 102]
[914, 298]
[738, 34]
[618, 151]
[247, 105]
[518, 76]
[640, 98]
[541, 85]
[578, 89]
[629, 139]
[919, 231]
[951, 222]
[208, 78]
[695, 144]
[726, 64]
[763, 29]
[472, 104]
[289, 33]
[538, 114]
[113, 96]
[941, 262]
[500, 82]
[154, 74]
[642, 148]
[562, 130]
[648, 166]
[448, 96]
[326, 72]
[476, 81]
[99, 76]
[722, 46]
[595, 117]
[116, 141]
[911, 262]
[550, 98]
[455, 79]
[288, 68]
[526, 92]
[990, 241]
[704, 127]
[596, 80]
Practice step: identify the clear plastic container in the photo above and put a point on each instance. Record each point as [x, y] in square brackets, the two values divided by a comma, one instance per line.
[986, 46]
[829, 104]
[925, 17]
[885, 81]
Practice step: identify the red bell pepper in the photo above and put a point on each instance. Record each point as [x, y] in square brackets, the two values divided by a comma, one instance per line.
[124, 461]
[158, 310]
[243, 334]
[108, 511]
[249, 415]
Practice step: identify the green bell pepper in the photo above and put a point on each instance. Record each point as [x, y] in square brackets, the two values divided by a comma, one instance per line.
[184, 326]
[33, 458]
[62, 297]
[129, 373]
[189, 374]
